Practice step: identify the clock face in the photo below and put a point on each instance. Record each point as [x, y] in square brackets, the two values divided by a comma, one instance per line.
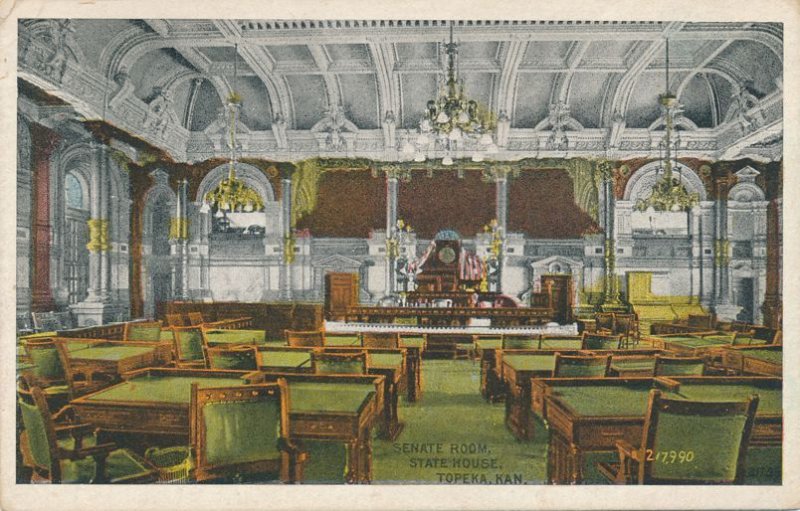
[447, 255]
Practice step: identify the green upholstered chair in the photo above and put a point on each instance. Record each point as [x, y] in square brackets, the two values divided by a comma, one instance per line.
[593, 341]
[60, 450]
[190, 346]
[149, 331]
[687, 442]
[241, 434]
[380, 339]
[48, 371]
[235, 357]
[520, 342]
[679, 366]
[339, 363]
[305, 339]
[578, 366]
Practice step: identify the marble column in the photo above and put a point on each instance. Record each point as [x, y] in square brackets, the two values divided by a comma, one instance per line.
[179, 237]
[611, 299]
[391, 231]
[287, 170]
[723, 306]
[44, 144]
[773, 302]
[501, 214]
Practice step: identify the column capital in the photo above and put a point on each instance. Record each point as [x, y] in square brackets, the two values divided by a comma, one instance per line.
[393, 171]
[286, 169]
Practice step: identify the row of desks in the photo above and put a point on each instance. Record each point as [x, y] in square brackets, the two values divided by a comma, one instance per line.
[151, 405]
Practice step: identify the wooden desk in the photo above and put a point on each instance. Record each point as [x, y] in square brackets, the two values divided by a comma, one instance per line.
[156, 403]
[386, 362]
[90, 356]
[415, 346]
[586, 415]
[517, 368]
[753, 360]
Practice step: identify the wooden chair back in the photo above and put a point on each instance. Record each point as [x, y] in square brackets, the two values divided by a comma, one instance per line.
[564, 342]
[232, 357]
[195, 318]
[242, 432]
[41, 446]
[323, 362]
[380, 340]
[679, 366]
[594, 341]
[177, 320]
[190, 346]
[704, 321]
[48, 365]
[149, 331]
[520, 342]
[604, 321]
[580, 366]
[306, 339]
[720, 434]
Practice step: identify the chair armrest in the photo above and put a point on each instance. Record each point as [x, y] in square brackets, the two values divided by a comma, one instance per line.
[65, 413]
[83, 452]
[626, 450]
[287, 445]
[74, 428]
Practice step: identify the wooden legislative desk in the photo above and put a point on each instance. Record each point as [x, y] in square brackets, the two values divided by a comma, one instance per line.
[91, 356]
[414, 346]
[518, 368]
[753, 360]
[155, 403]
[590, 415]
[387, 362]
[452, 316]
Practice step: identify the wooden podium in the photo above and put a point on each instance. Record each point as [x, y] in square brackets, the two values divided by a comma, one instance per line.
[341, 293]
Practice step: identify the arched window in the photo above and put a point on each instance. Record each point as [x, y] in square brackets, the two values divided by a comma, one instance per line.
[76, 255]
[74, 192]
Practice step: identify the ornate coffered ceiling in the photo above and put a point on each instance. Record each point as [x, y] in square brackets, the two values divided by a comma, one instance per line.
[166, 80]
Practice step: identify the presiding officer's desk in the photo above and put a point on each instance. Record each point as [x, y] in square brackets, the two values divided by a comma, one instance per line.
[152, 406]
[587, 415]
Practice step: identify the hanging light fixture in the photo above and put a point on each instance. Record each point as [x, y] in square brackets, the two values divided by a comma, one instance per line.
[232, 194]
[669, 193]
[453, 118]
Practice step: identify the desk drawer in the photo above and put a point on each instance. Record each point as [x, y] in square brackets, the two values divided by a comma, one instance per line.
[334, 427]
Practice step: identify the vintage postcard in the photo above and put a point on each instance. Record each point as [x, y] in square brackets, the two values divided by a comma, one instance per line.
[370, 256]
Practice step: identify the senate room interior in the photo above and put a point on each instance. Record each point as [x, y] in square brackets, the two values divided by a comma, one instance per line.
[399, 252]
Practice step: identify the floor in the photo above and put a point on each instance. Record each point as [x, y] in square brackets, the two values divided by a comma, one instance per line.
[454, 436]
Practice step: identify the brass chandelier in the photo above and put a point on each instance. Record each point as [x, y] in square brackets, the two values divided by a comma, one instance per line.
[232, 194]
[669, 193]
[453, 117]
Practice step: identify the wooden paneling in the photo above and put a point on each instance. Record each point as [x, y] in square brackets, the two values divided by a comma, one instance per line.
[273, 318]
